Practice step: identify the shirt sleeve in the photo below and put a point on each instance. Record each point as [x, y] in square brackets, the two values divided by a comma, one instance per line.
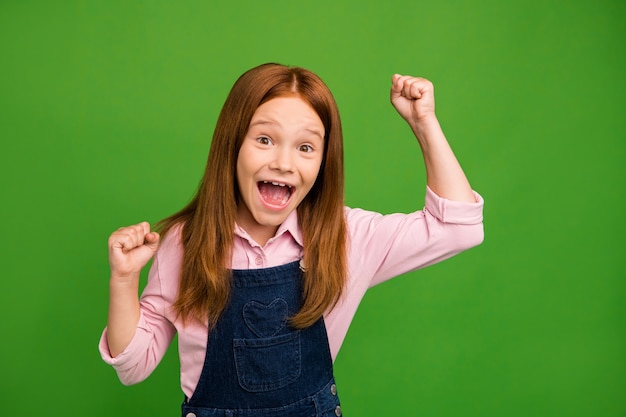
[394, 244]
[153, 335]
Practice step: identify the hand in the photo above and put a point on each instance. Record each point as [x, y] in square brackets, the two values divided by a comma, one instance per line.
[130, 249]
[413, 98]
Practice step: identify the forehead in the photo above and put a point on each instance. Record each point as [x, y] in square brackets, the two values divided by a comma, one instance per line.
[287, 112]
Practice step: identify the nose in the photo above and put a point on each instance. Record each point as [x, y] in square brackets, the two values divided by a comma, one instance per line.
[282, 160]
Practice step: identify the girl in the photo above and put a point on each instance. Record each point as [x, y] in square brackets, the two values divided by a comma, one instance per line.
[262, 272]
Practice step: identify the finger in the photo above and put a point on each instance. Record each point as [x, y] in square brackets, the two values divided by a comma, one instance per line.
[145, 227]
[396, 87]
[130, 237]
[415, 88]
[406, 86]
[412, 89]
[138, 233]
[123, 240]
[397, 82]
[152, 240]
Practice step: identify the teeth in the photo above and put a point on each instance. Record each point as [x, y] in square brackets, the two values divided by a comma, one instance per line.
[280, 184]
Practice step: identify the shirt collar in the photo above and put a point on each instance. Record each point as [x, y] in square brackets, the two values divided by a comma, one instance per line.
[290, 225]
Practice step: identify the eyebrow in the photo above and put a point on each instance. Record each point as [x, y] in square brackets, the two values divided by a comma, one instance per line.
[263, 122]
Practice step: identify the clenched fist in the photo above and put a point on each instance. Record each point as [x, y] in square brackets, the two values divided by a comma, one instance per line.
[413, 98]
[130, 249]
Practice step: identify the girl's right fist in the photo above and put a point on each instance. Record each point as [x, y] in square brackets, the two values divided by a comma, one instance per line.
[130, 249]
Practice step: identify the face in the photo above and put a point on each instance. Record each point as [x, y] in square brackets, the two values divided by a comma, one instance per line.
[277, 165]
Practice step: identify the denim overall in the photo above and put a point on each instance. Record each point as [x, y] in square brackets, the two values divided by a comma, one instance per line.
[256, 365]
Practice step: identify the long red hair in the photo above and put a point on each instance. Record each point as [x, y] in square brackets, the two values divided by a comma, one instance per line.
[208, 220]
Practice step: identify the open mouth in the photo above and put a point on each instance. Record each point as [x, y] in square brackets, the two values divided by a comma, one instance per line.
[275, 193]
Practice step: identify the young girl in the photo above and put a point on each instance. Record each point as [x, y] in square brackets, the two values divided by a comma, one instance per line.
[261, 274]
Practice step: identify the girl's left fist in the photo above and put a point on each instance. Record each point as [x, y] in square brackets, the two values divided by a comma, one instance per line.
[413, 97]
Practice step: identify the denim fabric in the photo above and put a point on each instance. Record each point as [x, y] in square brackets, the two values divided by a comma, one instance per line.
[324, 403]
[256, 364]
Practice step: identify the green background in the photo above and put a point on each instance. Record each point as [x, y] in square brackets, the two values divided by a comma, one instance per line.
[106, 112]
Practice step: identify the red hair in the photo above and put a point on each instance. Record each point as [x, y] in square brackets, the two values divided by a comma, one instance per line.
[208, 220]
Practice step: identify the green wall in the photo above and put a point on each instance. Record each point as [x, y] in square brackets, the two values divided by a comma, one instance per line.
[106, 112]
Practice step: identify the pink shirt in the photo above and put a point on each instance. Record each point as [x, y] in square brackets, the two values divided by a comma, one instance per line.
[380, 247]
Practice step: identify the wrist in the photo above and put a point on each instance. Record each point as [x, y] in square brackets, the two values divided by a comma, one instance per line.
[427, 130]
[124, 280]
[424, 122]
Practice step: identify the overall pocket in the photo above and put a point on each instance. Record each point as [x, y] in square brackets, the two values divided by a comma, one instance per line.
[269, 363]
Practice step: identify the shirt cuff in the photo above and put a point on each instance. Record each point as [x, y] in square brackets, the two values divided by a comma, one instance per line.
[123, 361]
[457, 212]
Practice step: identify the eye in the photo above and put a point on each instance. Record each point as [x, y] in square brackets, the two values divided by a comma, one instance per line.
[264, 140]
[305, 148]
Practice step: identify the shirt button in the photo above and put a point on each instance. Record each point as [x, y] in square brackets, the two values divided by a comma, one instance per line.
[338, 411]
[333, 389]
[258, 260]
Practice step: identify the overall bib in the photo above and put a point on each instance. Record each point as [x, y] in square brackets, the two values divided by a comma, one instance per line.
[256, 365]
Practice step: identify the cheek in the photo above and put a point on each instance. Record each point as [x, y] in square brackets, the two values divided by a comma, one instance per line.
[243, 181]
[317, 169]
[312, 173]
[243, 165]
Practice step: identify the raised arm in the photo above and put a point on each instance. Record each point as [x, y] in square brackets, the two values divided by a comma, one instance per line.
[130, 249]
[414, 99]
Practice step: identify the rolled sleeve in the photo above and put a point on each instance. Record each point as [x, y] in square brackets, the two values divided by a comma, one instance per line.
[138, 344]
[449, 211]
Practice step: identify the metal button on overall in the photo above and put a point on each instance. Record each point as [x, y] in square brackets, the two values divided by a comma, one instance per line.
[338, 411]
[333, 389]
[191, 415]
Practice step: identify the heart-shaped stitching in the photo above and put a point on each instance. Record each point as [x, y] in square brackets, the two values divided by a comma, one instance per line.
[265, 320]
